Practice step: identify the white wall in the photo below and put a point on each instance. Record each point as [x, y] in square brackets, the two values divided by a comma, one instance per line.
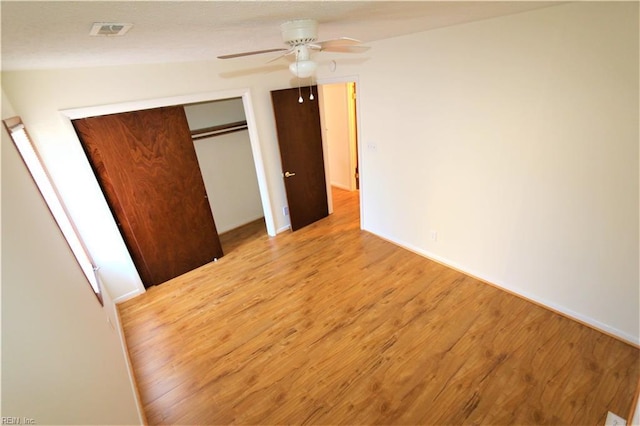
[516, 139]
[227, 165]
[62, 363]
[207, 114]
[336, 133]
[39, 96]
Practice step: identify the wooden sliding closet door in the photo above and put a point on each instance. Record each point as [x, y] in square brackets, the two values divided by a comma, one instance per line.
[146, 164]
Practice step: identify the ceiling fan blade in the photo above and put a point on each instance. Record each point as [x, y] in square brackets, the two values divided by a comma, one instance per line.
[287, 53]
[342, 41]
[346, 49]
[256, 52]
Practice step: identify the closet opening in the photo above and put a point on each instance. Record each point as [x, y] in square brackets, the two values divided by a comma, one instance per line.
[223, 148]
[241, 100]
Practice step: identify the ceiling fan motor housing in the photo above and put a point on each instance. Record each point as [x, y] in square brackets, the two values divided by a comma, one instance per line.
[301, 31]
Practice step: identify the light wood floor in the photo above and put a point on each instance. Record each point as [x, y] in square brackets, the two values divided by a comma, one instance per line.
[332, 325]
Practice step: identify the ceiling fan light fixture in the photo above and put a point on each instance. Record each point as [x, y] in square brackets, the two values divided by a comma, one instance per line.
[303, 69]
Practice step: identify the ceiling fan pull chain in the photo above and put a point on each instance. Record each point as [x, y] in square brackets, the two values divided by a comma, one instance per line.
[300, 100]
[311, 90]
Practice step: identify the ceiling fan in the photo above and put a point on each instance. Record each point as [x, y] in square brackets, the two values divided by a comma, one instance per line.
[301, 36]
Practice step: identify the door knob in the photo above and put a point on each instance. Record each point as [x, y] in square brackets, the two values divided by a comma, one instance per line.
[287, 174]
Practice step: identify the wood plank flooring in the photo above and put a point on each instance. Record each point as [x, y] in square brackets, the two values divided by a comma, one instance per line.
[237, 238]
[332, 325]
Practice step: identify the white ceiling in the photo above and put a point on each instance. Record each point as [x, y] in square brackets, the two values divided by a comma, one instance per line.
[55, 34]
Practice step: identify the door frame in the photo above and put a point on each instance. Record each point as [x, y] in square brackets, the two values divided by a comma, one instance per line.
[245, 94]
[325, 145]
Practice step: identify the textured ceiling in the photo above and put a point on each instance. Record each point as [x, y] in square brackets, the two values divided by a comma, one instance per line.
[55, 34]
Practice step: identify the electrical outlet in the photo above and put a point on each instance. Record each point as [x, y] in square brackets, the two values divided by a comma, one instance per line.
[614, 420]
[285, 210]
[433, 235]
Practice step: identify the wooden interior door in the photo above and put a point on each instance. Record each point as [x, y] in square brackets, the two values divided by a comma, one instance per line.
[146, 164]
[300, 141]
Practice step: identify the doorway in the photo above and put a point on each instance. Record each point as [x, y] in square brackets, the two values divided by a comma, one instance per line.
[339, 122]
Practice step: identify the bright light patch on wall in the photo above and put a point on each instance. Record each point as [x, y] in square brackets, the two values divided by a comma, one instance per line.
[109, 29]
[41, 177]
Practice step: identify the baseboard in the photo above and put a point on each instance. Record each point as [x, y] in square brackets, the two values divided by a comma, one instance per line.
[132, 377]
[284, 228]
[113, 318]
[127, 296]
[339, 185]
[240, 224]
[561, 310]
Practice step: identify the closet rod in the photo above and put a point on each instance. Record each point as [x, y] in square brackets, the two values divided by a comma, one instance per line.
[221, 129]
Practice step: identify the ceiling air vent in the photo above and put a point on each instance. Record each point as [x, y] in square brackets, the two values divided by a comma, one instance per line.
[109, 29]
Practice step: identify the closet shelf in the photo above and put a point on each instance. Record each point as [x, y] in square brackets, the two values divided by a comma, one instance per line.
[222, 129]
